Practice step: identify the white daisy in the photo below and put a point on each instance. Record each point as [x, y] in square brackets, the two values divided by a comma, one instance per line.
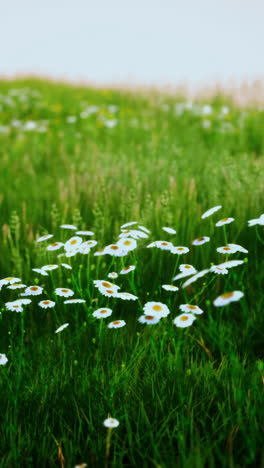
[128, 224]
[81, 465]
[24, 301]
[74, 301]
[15, 305]
[183, 275]
[127, 269]
[210, 211]
[10, 280]
[103, 312]
[112, 274]
[179, 250]
[90, 243]
[115, 250]
[186, 268]
[69, 226]
[65, 265]
[126, 296]
[184, 320]
[99, 253]
[64, 292]
[200, 240]
[228, 297]
[195, 277]
[169, 230]
[117, 324]
[101, 284]
[219, 270]
[73, 243]
[108, 292]
[259, 221]
[149, 319]
[231, 263]
[170, 287]
[49, 267]
[3, 359]
[85, 233]
[143, 228]
[223, 221]
[158, 309]
[55, 246]
[46, 304]
[226, 249]
[111, 422]
[127, 244]
[84, 249]
[72, 252]
[62, 327]
[238, 248]
[16, 286]
[33, 291]
[188, 308]
[43, 238]
[163, 245]
[40, 271]
[134, 233]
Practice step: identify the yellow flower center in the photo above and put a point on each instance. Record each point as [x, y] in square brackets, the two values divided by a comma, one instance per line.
[191, 307]
[184, 318]
[227, 295]
[157, 308]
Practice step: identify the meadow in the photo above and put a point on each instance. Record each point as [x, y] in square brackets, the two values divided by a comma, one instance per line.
[95, 161]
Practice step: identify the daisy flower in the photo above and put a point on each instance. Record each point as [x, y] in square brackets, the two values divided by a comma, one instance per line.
[33, 291]
[126, 296]
[101, 284]
[238, 248]
[65, 265]
[102, 313]
[81, 465]
[195, 277]
[183, 275]
[90, 243]
[184, 320]
[128, 224]
[72, 252]
[127, 269]
[55, 246]
[15, 305]
[49, 267]
[40, 271]
[84, 249]
[117, 324]
[210, 212]
[228, 297]
[115, 250]
[260, 221]
[111, 422]
[62, 327]
[156, 308]
[85, 233]
[23, 301]
[179, 250]
[169, 230]
[226, 250]
[73, 243]
[64, 292]
[194, 309]
[69, 226]
[219, 270]
[43, 238]
[231, 263]
[127, 244]
[163, 245]
[3, 359]
[99, 253]
[74, 301]
[112, 274]
[16, 286]
[10, 280]
[46, 304]
[134, 233]
[143, 228]
[149, 319]
[170, 287]
[200, 240]
[223, 221]
[108, 292]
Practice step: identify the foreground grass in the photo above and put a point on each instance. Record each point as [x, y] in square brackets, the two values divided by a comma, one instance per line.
[190, 397]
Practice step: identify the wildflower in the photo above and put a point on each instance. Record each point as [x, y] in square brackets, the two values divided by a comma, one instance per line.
[90, 243]
[10, 280]
[74, 301]
[55, 246]
[99, 253]
[228, 297]
[260, 221]
[219, 270]
[238, 248]
[3, 359]
[40, 271]
[43, 238]
[200, 240]
[128, 224]
[210, 211]
[170, 287]
[169, 230]
[65, 265]
[184, 320]
[183, 274]
[156, 308]
[102, 313]
[72, 252]
[226, 250]
[101, 284]
[194, 309]
[16, 286]
[64, 292]
[179, 250]
[117, 324]
[46, 304]
[143, 228]
[195, 277]
[49, 267]
[33, 291]
[223, 221]
[127, 244]
[69, 226]
[115, 250]
[73, 243]
[15, 305]
[231, 263]
[163, 245]
[149, 319]
[112, 274]
[84, 249]
[127, 269]
[62, 327]
[126, 296]
[85, 233]
[24, 301]
[134, 233]
[111, 422]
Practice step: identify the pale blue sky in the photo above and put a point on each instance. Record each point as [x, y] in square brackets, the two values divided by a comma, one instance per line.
[141, 41]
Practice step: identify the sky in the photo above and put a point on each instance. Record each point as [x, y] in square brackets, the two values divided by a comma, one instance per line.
[140, 41]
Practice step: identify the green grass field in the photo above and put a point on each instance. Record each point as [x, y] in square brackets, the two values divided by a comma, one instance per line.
[98, 159]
